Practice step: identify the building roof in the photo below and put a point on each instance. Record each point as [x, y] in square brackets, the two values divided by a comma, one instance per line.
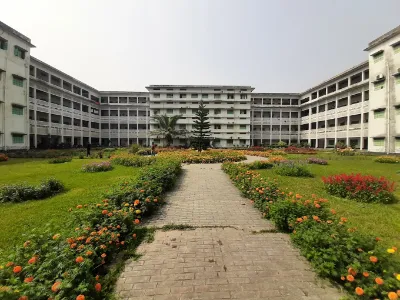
[19, 35]
[201, 86]
[336, 77]
[388, 35]
[122, 93]
[291, 95]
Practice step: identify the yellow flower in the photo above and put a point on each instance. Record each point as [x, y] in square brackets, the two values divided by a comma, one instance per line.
[398, 277]
[390, 250]
[138, 211]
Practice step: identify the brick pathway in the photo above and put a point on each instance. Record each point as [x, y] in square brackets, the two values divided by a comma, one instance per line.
[229, 261]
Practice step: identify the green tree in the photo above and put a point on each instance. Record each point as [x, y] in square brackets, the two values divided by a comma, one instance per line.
[167, 128]
[201, 132]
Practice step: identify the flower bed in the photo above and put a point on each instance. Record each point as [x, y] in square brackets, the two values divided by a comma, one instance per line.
[296, 150]
[292, 168]
[130, 160]
[317, 161]
[76, 266]
[348, 151]
[97, 167]
[60, 160]
[363, 188]
[335, 250]
[23, 192]
[257, 153]
[3, 157]
[205, 157]
[388, 159]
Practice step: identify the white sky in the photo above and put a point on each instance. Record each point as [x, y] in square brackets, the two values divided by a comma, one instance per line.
[275, 46]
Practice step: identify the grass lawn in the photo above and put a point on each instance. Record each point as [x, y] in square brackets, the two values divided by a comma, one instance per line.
[82, 188]
[382, 220]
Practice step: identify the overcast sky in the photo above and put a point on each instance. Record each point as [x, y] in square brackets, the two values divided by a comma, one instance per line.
[274, 46]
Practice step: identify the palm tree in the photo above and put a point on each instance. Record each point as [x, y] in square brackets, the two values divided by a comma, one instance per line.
[167, 127]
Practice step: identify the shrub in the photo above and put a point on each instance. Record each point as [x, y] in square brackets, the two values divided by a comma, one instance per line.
[134, 148]
[281, 144]
[3, 157]
[297, 150]
[97, 167]
[100, 154]
[388, 159]
[65, 267]
[109, 149]
[363, 188]
[129, 160]
[81, 156]
[340, 145]
[260, 164]
[205, 157]
[348, 151]
[291, 168]
[144, 151]
[60, 160]
[24, 192]
[317, 161]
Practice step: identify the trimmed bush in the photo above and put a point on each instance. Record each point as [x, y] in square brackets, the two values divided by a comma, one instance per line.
[97, 167]
[134, 148]
[388, 159]
[363, 188]
[260, 164]
[146, 151]
[317, 161]
[129, 160]
[205, 157]
[64, 267]
[60, 160]
[3, 157]
[291, 168]
[23, 192]
[297, 150]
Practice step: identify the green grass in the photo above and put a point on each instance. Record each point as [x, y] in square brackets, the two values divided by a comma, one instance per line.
[82, 188]
[382, 220]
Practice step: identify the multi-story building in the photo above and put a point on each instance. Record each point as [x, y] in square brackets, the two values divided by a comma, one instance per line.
[228, 106]
[41, 106]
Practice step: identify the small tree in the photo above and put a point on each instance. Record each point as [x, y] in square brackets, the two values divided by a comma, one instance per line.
[201, 132]
[167, 128]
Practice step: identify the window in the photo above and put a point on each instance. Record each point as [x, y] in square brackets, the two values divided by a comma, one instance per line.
[379, 85]
[156, 95]
[243, 96]
[397, 143]
[204, 96]
[194, 110]
[18, 81]
[243, 111]
[378, 56]
[170, 95]
[19, 52]
[396, 48]
[3, 44]
[379, 142]
[170, 111]
[229, 126]
[217, 96]
[194, 95]
[397, 109]
[217, 111]
[243, 126]
[229, 142]
[230, 96]
[217, 126]
[182, 111]
[182, 126]
[17, 110]
[18, 138]
[379, 114]
[156, 112]
[229, 112]
[182, 96]
[397, 79]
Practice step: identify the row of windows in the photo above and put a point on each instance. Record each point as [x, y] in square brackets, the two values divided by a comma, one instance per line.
[202, 96]
[216, 111]
[18, 51]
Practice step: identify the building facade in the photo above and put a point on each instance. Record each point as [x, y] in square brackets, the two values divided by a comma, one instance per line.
[42, 107]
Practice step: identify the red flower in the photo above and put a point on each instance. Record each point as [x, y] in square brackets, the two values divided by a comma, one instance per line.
[98, 287]
[17, 269]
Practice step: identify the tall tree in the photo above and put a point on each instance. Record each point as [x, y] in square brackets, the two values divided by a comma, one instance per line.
[167, 128]
[201, 132]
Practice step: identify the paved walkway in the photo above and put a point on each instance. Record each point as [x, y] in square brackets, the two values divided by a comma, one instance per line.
[222, 258]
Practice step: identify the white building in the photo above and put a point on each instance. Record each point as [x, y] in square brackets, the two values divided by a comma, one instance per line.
[360, 107]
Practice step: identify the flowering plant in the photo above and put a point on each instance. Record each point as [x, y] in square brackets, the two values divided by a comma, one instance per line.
[317, 161]
[3, 157]
[388, 159]
[97, 167]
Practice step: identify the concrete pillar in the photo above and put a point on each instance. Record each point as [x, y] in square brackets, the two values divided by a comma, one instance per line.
[137, 122]
[348, 119]
[119, 131]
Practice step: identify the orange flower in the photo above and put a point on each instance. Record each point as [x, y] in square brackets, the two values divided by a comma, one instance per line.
[316, 218]
[56, 286]
[32, 260]
[359, 291]
[9, 264]
[373, 259]
[136, 202]
[79, 259]
[17, 269]
[23, 298]
[56, 236]
[28, 279]
[26, 244]
[98, 287]
[350, 278]
[73, 246]
[379, 280]
[88, 253]
[137, 221]
[104, 212]
[79, 206]
[103, 255]
[317, 205]
[352, 271]
[378, 239]
[333, 211]
[80, 297]
[393, 296]
[365, 274]
[134, 235]
[97, 277]
[343, 278]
